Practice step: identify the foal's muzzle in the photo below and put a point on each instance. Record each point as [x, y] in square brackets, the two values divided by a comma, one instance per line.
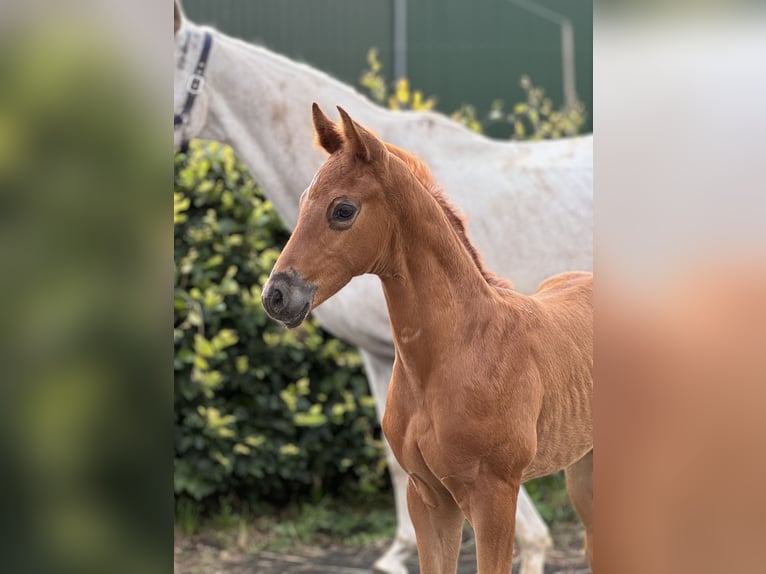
[287, 298]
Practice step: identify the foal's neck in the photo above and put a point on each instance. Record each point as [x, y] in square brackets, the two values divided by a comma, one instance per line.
[436, 294]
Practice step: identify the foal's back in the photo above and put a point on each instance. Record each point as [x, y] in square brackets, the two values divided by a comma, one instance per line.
[566, 299]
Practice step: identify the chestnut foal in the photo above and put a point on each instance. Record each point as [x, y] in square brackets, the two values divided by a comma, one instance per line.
[490, 387]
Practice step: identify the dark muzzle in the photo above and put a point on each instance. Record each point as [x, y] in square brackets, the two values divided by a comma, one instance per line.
[287, 298]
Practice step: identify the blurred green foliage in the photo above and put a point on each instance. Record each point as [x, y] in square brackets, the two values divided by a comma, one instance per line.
[262, 414]
[84, 402]
[549, 494]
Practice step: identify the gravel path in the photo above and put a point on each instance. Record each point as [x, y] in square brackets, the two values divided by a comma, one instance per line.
[202, 555]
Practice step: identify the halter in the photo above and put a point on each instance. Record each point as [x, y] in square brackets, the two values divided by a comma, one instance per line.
[196, 81]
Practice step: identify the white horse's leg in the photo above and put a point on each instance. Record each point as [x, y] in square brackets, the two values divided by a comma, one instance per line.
[404, 546]
[393, 560]
[532, 533]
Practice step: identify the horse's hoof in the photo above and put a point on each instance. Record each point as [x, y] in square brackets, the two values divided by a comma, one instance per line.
[532, 565]
[389, 568]
[393, 561]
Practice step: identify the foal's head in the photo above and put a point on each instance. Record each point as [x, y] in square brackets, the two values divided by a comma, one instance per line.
[344, 225]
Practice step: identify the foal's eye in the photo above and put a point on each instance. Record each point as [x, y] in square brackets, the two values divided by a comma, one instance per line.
[343, 212]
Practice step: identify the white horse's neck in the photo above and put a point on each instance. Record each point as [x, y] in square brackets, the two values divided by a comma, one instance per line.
[260, 104]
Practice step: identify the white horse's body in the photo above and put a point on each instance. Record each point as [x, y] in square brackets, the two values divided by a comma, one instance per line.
[529, 205]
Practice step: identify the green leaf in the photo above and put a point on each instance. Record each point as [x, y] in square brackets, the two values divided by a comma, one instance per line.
[225, 338]
[289, 449]
[203, 347]
[310, 419]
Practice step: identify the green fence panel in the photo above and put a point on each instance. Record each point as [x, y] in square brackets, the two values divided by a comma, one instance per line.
[332, 35]
[464, 52]
[475, 52]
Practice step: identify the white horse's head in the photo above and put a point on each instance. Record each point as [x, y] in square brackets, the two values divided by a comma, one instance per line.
[190, 101]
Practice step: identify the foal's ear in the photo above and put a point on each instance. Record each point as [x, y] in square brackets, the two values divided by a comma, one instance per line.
[364, 144]
[178, 16]
[326, 131]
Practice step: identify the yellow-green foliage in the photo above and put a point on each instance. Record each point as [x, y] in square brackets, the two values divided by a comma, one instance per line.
[261, 413]
[537, 119]
[402, 98]
[533, 119]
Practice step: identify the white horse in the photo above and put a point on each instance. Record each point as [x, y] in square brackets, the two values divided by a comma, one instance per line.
[529, 207]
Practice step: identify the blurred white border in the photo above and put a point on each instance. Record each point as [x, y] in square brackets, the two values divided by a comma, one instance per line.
[680, 139]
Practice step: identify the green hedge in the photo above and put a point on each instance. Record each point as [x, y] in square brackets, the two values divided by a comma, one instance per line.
[262, 414]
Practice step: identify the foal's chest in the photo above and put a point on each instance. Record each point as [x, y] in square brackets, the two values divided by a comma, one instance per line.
[415, 445]
[429, 435]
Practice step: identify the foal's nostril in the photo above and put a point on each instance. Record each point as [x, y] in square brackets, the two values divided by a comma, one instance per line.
[277, 299]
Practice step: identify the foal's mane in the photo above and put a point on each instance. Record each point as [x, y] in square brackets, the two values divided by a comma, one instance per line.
[421, 172]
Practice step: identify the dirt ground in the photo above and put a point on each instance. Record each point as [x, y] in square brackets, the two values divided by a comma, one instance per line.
[205, 554]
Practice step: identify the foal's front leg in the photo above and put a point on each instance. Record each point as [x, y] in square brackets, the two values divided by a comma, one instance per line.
[438, 525]
[490, 503]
